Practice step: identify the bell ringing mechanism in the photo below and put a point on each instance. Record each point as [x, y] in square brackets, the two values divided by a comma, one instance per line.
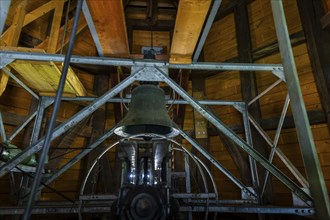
[145, 191]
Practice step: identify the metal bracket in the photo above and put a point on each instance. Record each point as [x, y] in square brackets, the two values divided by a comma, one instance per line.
[298, 202]
[241, 107]
[246, 195]
[148, 73]
[279, 74]
[5, 61]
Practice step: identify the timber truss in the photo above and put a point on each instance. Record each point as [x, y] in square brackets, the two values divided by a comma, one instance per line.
[314, 203]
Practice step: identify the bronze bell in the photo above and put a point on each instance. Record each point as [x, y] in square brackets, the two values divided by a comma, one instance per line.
[147, 114]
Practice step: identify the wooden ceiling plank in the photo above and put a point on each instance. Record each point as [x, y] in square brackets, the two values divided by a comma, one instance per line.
[56, 25]
[44, 76]
[31, 80]
[188, 26]
[111, 30]
[74, 82]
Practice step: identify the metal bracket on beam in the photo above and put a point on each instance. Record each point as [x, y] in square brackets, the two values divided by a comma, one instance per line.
[148, 73]
[279, 74]
[5, 61]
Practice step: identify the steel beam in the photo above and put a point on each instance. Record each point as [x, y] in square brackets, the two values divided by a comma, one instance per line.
[20, 83]
[2, 130]
[43, 104]
[68, 124]
[21, 127]
[208, 156]
[236, 138]
[92, 28]
[311, 161]
[78, 157]
[207, 28]
[4, 8]
[249, 209]
[169, 101]
[106, 208]
[280, 154]
[129, 62]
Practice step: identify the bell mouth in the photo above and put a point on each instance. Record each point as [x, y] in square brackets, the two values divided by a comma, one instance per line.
[146, 131]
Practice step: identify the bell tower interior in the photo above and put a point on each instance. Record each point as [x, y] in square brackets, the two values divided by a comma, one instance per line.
[164, 109]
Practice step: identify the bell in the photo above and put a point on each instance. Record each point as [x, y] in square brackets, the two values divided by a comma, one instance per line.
[147, 114]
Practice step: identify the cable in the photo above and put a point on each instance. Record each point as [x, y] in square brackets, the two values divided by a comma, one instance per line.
[58, 97]
[47, 186]
[65, 25]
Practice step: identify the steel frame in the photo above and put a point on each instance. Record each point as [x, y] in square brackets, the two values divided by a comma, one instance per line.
[68, 208]
[286, 72]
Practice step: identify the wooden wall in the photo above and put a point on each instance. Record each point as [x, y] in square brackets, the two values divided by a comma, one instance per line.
[15, 106]
[221, 46]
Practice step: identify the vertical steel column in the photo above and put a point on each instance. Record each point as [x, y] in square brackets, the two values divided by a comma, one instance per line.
[4, 8]
[188, 183]
[248, 137]
[2, 130]
[43, 104]
[307, 146]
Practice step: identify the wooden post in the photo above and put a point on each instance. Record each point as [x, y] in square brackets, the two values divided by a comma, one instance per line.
[318, 44]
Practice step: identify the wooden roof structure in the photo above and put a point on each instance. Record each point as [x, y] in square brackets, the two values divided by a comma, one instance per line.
[189, 32]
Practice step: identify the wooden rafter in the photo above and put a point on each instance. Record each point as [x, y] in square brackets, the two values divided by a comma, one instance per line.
[12, 38]
[33, 15]
[188, 25]
[111, 30]
[56, 25]
[81, 26]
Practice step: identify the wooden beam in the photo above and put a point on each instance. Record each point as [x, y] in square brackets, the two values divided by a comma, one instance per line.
[55, 27]
[111, 30]
[81, 26]
[188, 26]
[228, 8]
[297, 39]
[44, 77]
[12, 38]
[318, 44]
[34, 15]
[39, 12]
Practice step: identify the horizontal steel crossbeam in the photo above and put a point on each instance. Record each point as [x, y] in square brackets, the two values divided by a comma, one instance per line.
[129, 62]
[106, 208]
